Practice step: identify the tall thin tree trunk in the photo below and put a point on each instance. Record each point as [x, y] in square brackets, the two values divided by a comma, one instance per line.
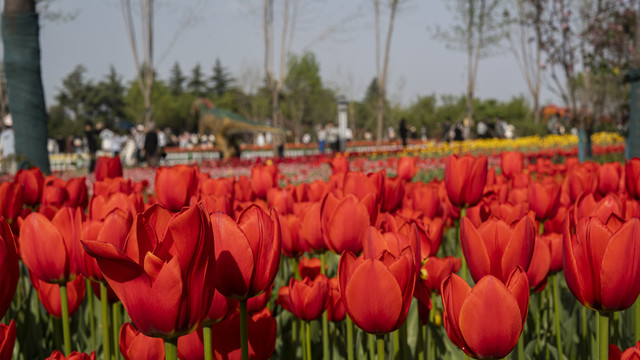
[21, 41]
[382, 78]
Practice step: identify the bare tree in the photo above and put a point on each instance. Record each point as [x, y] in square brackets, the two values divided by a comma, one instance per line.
[381, 72]
[524, 35]
[478, 30]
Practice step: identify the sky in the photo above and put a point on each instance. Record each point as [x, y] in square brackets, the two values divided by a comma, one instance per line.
[339, 32]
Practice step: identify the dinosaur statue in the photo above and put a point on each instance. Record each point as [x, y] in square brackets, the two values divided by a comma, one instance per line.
[224, 123]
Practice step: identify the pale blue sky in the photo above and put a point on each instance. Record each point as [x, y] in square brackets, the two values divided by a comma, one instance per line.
[232, 31]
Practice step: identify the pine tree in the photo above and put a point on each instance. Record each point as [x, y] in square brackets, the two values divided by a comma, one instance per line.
[221, 80]
[196, 84]
[176, 80]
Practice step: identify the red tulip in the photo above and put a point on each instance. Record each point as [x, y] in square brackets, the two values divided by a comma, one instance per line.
[100, 206]
[407, 168]
[242, 189]
[511, 162]
[425, 198]
[51, 248]
[57, 355]
[544, 200]
[221, 308]
[464, 178]
[335, 307]
[248, 251]
[632, 353]
[343, 220]
[217, 187]
[607, 179]
[78, 192]
[586, 206]
[632, 174]
[114, 229]
[258, 303]
[174, 186]
[292, 245]
[339, 164]
[520, 180]
[7, 340]
[486, 321]
[135, 345]
[11, 200]
[108, 167]
[311, 228]
[49, 295]
[263, 178]
[539, 265]
[164, 272]
[554, 243]
[390, 278]
[281, 200]
[435, 270]
[601, 265]
[309, 298]
[262, 331]
[32, 181]
[9, 270]
[316, 190]
[393, 194]
[497, 248]
[309, 267]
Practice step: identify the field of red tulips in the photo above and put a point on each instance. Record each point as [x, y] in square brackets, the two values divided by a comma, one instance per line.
[503, 255]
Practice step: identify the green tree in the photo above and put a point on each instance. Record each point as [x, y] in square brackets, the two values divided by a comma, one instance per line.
[197, 85]
[105, 100]
[221, 80]
[176, 80]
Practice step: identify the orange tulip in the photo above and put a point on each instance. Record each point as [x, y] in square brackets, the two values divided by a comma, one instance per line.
[108, 167]
[465, 178]
[135, 345]
[309, 297]
[263, 178]
[174, 186]
[32, 181]
[407, 168]
[343, 220]
[512, 163]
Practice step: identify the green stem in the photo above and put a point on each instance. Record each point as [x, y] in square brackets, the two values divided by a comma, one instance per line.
[325, 321]
[206, 339]
[603, 346]
[584, 324]
[541, 228]
[556, 306]
[521, 348]
[66, 333]
[294, 268]
[244, 338]
[115, 328]
[371, 339]
[104, 302]
[636, 319]
[380, 347]
[463, 266]
[431, 349]
[349, 339]
[171, 349]
[92, 315]
[396, 344]
[403, 342]
[420, 344]
[308, 336]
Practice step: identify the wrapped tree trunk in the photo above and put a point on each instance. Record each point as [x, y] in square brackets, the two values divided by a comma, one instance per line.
[21, 40]
[633, 135]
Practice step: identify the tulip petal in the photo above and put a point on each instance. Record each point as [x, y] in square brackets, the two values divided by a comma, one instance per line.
[490, 319]
[474, 250]
[454, 292]
[620, 271]
[374, 314]
[520, 246]
[234, 254]
[518, 284]
[43, 249]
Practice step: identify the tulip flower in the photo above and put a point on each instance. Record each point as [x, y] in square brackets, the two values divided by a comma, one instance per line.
[11, 202]
[108, 167]
[539, 265]
[544, 200]
[57, 355]
[309, 267]
[586, 206]
[263, 178]
[632, 353]
[601, 265]
[7, 340]
[390, 278]
[343, 220]
[242, 189]
[434, 270]
[217, 187]
[486, 321]
[464, 178]
[78, 192]
[51, 248]
[32, 181]
[426, 199]
[579, 180]
[258, 303]
[135, 345]
[607, 179]
[174, 186]
[335, 307]
[100, 206]
[9, 270]
[49, 295]
[632, 177]
[110, 186]
[166, 265]
[113, 228]
[497, 248]
[554, 243]
[311, 229]
[248, 250]
[511, 163]
[339, 164]
[281, 199]
[407, 168]
[309, 298]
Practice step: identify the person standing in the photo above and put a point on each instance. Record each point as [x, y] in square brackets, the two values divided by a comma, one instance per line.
[322, 138]
[151, 146]
[92, 144]
[7, 139]
[402, 130]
